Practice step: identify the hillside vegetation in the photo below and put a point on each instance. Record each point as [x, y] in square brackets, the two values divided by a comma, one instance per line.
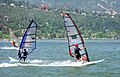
[50, 24]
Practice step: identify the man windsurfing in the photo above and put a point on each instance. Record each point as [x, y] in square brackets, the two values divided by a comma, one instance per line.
[23, 55]
[14, 43]
[77, 52]
[75, 40]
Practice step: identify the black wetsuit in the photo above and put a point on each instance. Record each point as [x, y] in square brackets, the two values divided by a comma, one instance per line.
[25, 55]
[77, 53]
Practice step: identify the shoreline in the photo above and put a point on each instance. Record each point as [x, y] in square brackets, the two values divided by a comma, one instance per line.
[65, 40]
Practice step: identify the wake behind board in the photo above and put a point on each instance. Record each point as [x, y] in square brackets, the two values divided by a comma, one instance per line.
[12, 60]
[50, 64]
[7, 48]
[80, 64]
[72, 64]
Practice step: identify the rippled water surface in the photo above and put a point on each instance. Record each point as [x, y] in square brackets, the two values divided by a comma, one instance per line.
[52, 51]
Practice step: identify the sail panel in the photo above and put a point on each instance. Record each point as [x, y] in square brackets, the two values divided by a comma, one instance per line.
[29, 38]
[74, 36]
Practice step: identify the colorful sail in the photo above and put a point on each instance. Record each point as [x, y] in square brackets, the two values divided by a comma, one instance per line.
[74, 37]
[29, 39]
[13, 39]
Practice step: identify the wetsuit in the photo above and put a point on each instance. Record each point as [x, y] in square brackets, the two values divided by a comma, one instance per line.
[77, 53]
[25, 55]
[13, 44]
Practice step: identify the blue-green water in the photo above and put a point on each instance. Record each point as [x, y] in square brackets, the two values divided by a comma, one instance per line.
[57, 51]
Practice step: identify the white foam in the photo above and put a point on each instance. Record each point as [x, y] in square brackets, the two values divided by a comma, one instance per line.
[7, 48]
[54, 64]
[13, 60]
[8, 65]
[27, 61]
[36, 61]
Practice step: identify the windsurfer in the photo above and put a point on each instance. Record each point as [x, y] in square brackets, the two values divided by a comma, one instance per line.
[77, 52]
[24, 55]
[75, 39]
[14, 44]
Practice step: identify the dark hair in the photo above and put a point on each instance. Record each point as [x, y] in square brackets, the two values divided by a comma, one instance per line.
[25, 50]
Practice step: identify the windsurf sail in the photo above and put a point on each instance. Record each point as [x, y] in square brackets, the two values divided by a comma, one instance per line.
[13, 39]
[29, 39]
[74, 37]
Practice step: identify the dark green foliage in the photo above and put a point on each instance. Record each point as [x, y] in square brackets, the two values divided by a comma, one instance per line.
[51, 25]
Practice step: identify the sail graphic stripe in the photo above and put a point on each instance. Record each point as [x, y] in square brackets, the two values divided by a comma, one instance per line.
[29, 42]
[32, 26]
[70, 25]
[74, 44]
[29, 34]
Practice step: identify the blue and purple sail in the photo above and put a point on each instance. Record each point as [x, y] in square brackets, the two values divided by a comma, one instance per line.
[29, 39]
[74, 37]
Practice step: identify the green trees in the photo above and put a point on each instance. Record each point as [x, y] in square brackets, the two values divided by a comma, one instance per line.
[51, 25]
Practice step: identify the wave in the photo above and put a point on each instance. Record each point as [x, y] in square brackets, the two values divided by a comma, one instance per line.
[12, 60]
[41, 63]
[7, 48]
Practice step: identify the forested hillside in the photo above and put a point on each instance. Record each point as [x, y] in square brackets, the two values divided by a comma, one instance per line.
[87, 5]
[50, 24]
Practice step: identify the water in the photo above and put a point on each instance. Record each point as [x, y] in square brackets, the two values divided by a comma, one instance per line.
[57, 51]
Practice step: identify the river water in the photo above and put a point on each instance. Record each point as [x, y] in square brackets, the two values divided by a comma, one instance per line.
[55, 52]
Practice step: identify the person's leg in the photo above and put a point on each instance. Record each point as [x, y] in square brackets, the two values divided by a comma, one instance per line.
[20, 58]
[25, 58]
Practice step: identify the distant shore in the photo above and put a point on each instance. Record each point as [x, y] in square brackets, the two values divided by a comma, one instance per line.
[65, 40]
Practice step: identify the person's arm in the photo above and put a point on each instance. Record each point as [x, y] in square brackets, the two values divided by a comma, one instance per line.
[71, 54]
[82, 48]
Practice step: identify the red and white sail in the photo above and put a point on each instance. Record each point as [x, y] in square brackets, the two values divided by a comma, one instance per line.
[74, 37]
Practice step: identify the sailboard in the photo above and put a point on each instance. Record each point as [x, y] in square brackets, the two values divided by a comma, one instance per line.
[29, 39]
[74, 37]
